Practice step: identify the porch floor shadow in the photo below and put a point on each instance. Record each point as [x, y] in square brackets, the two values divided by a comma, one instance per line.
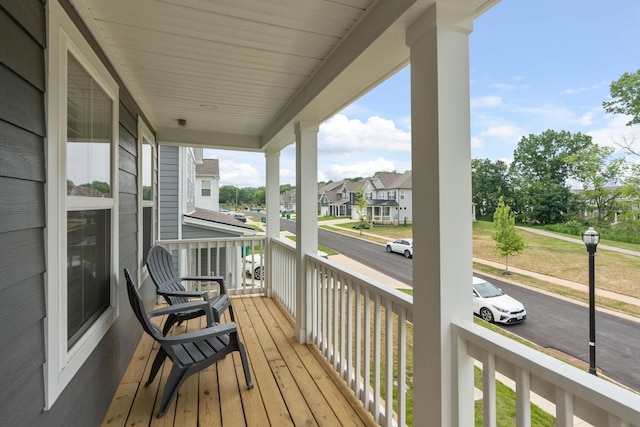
[294, 385]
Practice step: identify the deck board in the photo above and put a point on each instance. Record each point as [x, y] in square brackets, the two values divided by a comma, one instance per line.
[292, 384]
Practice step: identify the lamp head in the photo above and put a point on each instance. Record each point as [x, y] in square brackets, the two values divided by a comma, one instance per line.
[591, 238]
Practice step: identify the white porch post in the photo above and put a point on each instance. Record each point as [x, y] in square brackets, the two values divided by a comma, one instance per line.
[441, 163]
[273, 210]
[306, 218]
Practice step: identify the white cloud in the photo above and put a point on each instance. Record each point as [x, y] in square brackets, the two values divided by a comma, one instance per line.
[586, 119]
[349, 138]
[486, 102]
[507, 133]
[477, 143]
[364, 168]
[616, 131]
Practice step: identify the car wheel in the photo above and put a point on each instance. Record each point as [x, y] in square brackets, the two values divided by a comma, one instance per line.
[407, 254]
[257, 273]
[388, 248]
[486, 314]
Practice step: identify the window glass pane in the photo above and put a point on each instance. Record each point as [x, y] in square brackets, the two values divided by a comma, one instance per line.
[206, 188]
[88, 269]
[89, 124]
[147, 167]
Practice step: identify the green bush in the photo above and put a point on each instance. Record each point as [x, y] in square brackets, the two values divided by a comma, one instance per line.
[573, 227]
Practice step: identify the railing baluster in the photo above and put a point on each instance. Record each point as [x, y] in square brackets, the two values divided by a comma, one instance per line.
[564, 408]
[349, 361]
[367, 350]
[402, 367]
[376, 358]
[358, 337]
[523, 398]
[489, 389]
[388, 361]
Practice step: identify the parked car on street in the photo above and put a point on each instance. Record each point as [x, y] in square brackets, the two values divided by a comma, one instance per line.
[254, 266]
[493, 305]
[240, 217]
[401, 246]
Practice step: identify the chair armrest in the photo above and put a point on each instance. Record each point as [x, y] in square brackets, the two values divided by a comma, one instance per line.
[179, 308]
[202, 334]
[187, 294]
[218, 279]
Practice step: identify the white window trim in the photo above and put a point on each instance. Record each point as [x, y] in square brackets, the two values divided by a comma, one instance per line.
[61, 363]
[145, 136]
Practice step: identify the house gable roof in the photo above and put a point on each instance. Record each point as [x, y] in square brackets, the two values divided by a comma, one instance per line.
[208, 167]
[217, 218]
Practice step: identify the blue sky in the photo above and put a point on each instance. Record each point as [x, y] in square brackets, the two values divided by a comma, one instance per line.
[535, 65]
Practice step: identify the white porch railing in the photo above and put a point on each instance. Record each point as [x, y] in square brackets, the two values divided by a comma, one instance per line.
[360, 324]
[240, 261]
[574, 392]
[283, 279]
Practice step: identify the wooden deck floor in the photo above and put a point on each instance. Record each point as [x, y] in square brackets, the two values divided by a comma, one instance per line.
[294, 386]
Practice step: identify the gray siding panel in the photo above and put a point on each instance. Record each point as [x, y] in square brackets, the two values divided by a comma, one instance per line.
[22, 55]
[168, 189]
[22, 104]
[22, 204]
[21, 153]
[21, 257]
[22, 253]
[191, 232]
[30, 15]
[22, 212]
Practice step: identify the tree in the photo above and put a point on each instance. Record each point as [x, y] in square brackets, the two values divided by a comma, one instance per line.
[508, 240]
[361, 205]
[489, 181]
[539, 174]
[598, 172]
[625, 93]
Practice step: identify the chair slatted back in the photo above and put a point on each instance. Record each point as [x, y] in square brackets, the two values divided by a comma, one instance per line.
[163, 275]
[138, 308]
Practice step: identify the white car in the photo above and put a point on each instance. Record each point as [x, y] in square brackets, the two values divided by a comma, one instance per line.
[493, 305]
[254, 266]
[401, 246]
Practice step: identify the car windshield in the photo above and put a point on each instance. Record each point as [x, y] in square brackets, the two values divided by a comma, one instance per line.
[487, 290]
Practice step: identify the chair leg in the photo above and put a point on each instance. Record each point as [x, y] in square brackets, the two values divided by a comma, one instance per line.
[157, 363]
[245, 364]
[233, 318]
[168, 324]
[175, 380]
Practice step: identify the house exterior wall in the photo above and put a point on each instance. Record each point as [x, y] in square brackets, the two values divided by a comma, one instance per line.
[23, 180]
[168, 209]
[210, 202]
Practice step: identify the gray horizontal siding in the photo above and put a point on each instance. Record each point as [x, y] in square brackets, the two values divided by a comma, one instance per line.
[22, 235]
[168, 188]
[22, 212]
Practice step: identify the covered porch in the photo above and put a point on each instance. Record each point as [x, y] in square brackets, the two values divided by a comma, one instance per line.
[358, 365]
[293, 384]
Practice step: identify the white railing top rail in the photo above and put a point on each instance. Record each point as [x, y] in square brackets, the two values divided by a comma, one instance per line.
[594, 398]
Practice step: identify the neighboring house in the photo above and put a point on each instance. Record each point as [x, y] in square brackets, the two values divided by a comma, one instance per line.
[288, 201]
[179, 218]
[390, 198]
[338, 198]
[207, 184]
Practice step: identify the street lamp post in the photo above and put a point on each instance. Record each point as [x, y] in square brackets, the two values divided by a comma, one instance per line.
[591, 238]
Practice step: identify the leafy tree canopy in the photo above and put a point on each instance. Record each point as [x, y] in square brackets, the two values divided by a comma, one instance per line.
[625, 94]
[489, 181]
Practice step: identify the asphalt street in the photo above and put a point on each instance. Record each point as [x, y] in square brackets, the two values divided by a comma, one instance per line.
[552, 323]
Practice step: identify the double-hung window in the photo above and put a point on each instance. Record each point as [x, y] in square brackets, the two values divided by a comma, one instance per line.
[206, 188]
[82, 192]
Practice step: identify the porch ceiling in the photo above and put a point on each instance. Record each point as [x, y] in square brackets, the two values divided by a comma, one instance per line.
[242, 72]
